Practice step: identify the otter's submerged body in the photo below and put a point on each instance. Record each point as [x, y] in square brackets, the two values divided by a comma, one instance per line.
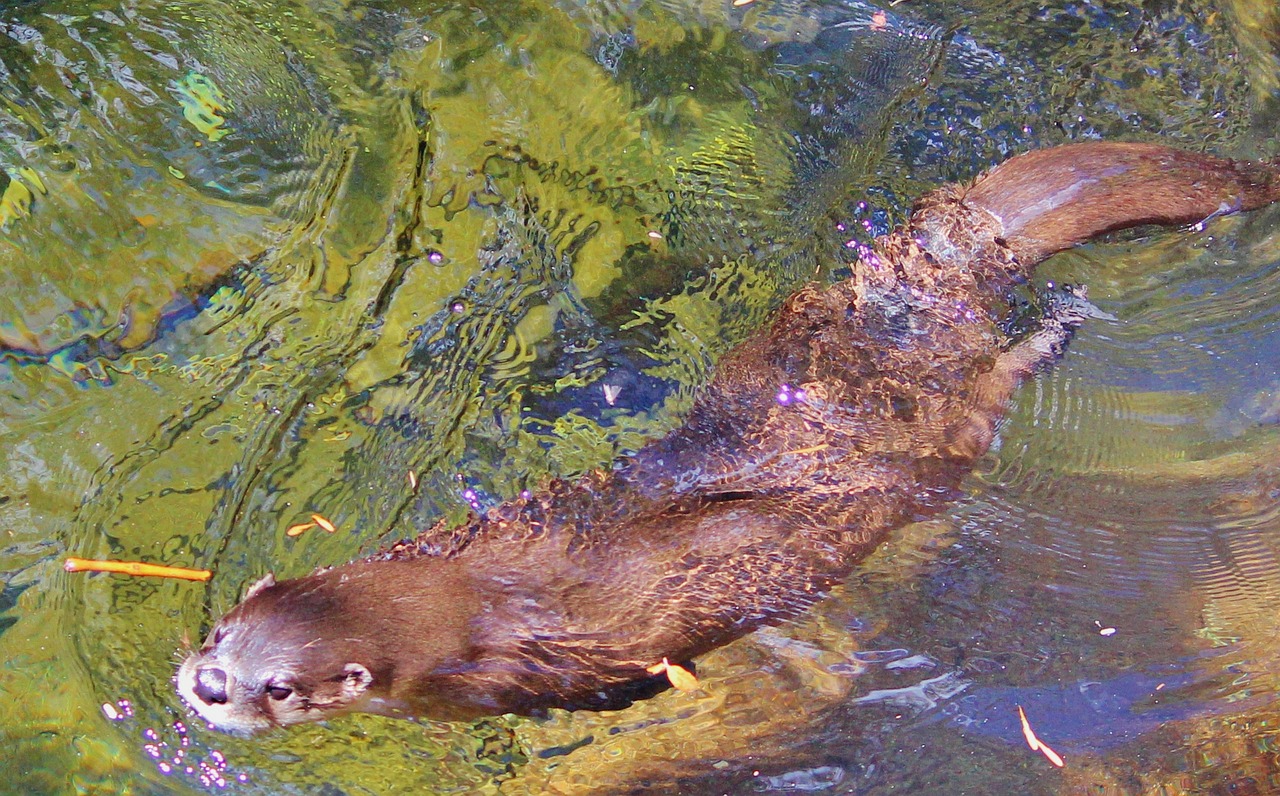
[858, 409]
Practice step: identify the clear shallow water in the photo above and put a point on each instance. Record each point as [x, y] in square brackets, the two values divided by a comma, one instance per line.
[263, 264]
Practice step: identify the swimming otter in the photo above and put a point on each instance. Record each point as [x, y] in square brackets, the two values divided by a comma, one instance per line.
[858, 409]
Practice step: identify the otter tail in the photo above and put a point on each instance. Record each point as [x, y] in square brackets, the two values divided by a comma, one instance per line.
[1051, 199]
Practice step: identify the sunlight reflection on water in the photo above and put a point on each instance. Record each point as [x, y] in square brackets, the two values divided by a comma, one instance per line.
[251, 276]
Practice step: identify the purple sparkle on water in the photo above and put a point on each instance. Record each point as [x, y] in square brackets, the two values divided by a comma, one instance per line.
[787, 396]
[472, 498]
[865, 252]
[164, 768]
[434, 257]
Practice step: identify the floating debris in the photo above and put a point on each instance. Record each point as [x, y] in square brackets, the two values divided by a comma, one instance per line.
[135, 568]
[681, 678]
[1035, 743]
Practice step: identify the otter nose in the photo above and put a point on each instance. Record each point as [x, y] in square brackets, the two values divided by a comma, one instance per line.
[211, 685]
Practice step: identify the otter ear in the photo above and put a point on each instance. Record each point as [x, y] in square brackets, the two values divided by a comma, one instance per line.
[265, 582]
[341, 691]
[357, 681]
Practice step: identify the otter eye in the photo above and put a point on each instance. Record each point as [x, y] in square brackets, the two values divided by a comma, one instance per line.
[279, 692]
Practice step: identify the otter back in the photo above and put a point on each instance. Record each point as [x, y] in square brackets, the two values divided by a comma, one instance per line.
[857, 409]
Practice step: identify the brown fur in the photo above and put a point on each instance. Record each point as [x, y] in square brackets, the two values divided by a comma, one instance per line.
[858, 409]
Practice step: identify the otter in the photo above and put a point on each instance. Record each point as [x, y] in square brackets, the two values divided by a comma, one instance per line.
[857, 409]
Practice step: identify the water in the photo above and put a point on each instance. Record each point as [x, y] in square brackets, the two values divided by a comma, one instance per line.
[385, 262]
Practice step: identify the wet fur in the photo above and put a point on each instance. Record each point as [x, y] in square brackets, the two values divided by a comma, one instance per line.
[859, 408]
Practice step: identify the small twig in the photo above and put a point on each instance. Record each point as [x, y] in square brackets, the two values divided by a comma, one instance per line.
[1035, 743]
[135, 568]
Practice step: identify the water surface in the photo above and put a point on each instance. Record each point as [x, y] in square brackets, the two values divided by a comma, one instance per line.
[391, 262]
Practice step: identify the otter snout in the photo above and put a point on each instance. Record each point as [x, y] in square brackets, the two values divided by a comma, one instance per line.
[210, 685]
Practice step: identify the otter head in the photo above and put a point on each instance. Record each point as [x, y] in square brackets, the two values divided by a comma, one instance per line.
[356, 638]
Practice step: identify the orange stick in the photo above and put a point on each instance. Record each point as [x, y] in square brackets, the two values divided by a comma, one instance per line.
[1035, 743]
[135, 568]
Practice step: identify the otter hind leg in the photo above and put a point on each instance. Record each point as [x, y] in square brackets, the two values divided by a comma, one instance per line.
[1064, 309]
